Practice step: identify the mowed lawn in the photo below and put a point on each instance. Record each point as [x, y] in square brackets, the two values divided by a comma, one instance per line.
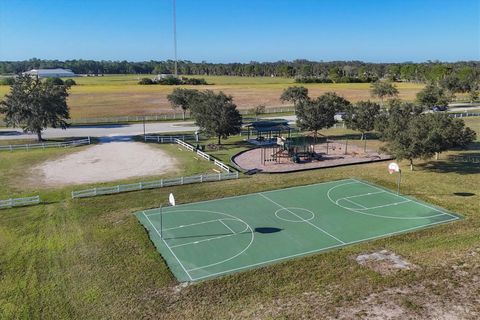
[91, 259]
[120, 95]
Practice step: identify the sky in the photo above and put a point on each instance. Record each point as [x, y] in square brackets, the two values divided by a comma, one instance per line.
[241, 30]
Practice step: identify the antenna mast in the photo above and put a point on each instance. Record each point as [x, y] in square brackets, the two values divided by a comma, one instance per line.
[175, 35]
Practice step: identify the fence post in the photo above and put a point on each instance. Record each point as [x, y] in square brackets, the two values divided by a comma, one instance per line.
[201, 178]
[118, 188]
[95, 190]
[89, 140]
[181, 179]
[236, 175]
[219, 177]
[141, 185]
[161, 183]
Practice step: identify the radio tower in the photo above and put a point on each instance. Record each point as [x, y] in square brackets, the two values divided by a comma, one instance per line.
[175, 35]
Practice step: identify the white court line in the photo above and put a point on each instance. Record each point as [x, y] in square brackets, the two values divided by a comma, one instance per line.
[189, 225]
[363, 195]
[227, 226]
[301, 218]
[357, 204]
[165, 210]
[387, 205]
[424, 205]
[378, 215]
[321, 249]
[214, 238]
[184, 269]
[199, 241]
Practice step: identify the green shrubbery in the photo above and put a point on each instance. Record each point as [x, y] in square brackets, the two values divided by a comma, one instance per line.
[303, 79]
[8, 81]
[172, 81]
[70, 82]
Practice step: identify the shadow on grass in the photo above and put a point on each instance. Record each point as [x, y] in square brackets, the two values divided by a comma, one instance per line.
[450, 166]
[464, 194]
[11, 133]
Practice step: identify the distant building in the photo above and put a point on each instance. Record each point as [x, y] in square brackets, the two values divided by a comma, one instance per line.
[51, 73]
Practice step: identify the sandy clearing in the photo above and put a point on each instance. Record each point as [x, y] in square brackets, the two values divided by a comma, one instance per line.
[105, 162]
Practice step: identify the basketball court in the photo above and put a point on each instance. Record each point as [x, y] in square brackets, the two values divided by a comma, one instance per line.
[208, 239]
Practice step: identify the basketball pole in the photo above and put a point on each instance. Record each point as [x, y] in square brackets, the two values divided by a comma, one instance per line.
[398, 181]
[161, 222]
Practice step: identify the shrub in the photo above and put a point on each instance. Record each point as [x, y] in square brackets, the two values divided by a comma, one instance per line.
[194, 81]
[146, 81]
[70, 82]
[55, 81]
[8, 81]
[170, 80]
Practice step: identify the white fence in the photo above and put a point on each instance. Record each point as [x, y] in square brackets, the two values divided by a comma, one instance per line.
[167, 116]
[465, 114]
[64, 144]
[18, 202]
[167, 139]
[465, 158]
[155, 117]
[153, 184]
[188, 146]
[204, 155]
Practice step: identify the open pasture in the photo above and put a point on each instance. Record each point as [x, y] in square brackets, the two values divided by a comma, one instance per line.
[120, 95]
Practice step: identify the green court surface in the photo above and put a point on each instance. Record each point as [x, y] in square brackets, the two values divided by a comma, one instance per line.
[207, 239]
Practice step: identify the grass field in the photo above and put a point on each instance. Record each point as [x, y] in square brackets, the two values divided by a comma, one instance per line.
[16, 169]
[119, 95]
[91, 259]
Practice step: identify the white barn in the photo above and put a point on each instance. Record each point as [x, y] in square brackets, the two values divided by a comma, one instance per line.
[51, 73]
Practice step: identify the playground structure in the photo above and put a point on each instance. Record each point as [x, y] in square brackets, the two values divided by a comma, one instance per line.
[304, 152]
[296, 150]
[266, 132]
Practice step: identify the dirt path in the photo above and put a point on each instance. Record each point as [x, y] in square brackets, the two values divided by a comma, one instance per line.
[105, 162]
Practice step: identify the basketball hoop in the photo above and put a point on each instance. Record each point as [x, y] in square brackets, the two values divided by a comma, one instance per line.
[171, 200]
[393, 167]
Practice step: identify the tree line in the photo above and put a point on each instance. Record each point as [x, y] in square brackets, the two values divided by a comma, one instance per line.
[455, 73]
[409, 132]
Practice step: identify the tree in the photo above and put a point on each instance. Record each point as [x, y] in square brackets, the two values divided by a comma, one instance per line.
[34, 105]
[258, 110]
[183, 99]
[411, 134]
[319, 113]
[394, 128]
[146, 81]
[70, 82]
[383, 89]
[446, 133]
[55, 81]
[295, 95]
[361, 116]
[434, 95]
[217, 115]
